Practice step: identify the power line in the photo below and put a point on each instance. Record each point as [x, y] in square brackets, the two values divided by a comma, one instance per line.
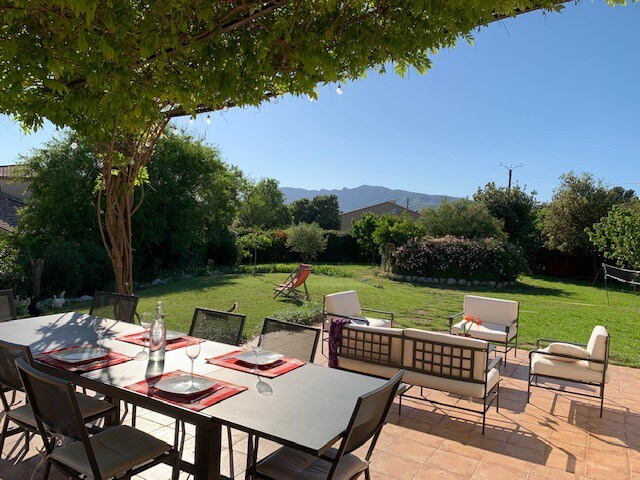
[511, 168]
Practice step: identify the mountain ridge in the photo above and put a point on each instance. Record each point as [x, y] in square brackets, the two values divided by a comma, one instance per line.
[366, 195]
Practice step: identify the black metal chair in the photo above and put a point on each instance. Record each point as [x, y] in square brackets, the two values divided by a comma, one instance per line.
[217, 326]
[7, 306]
[114, 306]
[367, 420]
[119, 452]
[22, 417]
[290, 339]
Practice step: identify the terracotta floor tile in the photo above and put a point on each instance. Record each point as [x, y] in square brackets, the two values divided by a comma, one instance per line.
[410, 449]
[396, 467]
[492, 471]
[429, 473]
[455, 462]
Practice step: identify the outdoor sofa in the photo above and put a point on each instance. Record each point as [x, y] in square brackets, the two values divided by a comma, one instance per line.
[433, 360]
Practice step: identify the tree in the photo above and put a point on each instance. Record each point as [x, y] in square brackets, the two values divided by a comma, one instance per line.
[323, 210]
[517, 210]
[396, 229]
[307, 239]
[617, 236]
[577, 204]
[117, 72]
[463, 218]
[190, 203]
[362, 230]
[251, 243]
[264, 206]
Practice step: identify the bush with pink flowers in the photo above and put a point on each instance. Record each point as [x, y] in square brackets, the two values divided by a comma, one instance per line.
[456, 257]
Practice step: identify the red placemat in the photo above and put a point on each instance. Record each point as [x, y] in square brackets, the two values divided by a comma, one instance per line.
[195, 402]
[138, 339]
[113, 358]
[273, 370]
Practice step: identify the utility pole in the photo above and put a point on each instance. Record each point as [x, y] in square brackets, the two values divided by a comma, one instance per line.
[511, 168]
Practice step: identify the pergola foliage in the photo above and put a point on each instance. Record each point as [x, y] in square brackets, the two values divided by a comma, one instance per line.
[116, 71]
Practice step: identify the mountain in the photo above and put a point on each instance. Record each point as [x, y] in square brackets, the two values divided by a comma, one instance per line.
[366, 195]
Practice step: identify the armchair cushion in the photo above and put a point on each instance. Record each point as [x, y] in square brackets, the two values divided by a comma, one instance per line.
[487, 331]
[491, 310]
[597, 347]
[567, 349]
[578, 371]
[343, 304]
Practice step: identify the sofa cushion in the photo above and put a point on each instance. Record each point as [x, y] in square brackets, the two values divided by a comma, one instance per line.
[567, 349]
[597, 347]
[343, 304]
[491, 310]
[578, 371]
[459, 387]
[486, 331]
[287, 463]
[366, 342]
[443, 353]
[366, 368]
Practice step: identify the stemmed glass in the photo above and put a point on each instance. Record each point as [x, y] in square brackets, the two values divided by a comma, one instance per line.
[100, 327]
[256, 345]
[193, 351]
[145, 321]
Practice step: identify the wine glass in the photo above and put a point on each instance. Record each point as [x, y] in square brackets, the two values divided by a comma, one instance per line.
[193, 351]
[100, 327]
[263, 387]
[256, 345]
[145, 321]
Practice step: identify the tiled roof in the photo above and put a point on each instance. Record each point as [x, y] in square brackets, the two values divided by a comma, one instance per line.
[9, 212]
[7, 171]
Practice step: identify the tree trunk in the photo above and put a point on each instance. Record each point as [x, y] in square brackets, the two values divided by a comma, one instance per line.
[121, 163]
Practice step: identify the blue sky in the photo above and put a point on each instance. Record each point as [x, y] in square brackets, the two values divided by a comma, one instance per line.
[555, 93]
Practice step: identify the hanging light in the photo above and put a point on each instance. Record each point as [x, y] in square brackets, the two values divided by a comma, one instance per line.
[339, 90]
[74, 145]
[208, 120]
[100, 165]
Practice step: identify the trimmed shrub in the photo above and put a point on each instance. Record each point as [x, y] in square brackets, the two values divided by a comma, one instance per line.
[481, 259]
[309, 313]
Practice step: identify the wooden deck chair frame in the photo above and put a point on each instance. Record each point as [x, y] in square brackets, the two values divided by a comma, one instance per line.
[291, 286]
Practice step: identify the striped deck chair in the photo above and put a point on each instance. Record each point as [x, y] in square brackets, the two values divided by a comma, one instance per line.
[291, 286]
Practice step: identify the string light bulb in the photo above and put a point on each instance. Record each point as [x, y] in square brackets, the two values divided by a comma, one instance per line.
[74, 145]
[208, 120]
[100, 165]
[339, 90]
[132, 162]
[311, 99]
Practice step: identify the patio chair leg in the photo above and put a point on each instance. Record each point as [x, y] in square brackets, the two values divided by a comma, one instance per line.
[134, 414]
[601, 400]
[498, 399]
[529, 386]
[400, 405]
[175, 474]
[47, 469]
[367, 474]
[484, 412]
[247, 473]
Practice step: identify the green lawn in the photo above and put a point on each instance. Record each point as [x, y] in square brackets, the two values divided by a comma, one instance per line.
[549, 307]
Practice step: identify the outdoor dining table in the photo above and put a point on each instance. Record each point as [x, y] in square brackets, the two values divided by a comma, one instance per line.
[309, 409]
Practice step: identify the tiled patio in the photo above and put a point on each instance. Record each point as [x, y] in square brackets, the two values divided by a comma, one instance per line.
[556, 436]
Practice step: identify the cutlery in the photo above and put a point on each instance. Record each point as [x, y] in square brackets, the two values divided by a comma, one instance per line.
[206, 394]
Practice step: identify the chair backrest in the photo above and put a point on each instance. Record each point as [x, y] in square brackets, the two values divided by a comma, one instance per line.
[598, 347]
[290, 339]
[342, 304]
[491, 310]
[217, 326]
[114, 306]
[9, 353]
[379, 345]
[302, 276]
[53, 401]
[367, 419]
[445, 355]
[7, 306]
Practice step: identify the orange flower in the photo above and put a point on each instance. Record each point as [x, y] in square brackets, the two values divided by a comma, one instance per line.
[468, 318]
[478, 321]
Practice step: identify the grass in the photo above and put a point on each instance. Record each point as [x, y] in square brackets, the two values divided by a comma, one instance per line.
[549, 307]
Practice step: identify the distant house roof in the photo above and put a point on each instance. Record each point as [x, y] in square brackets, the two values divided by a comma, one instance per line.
[9, 212]
[399, 208]
[7, 172]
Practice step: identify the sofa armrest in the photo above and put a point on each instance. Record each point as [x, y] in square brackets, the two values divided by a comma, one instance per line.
[551, 340]
[494, 363]
[451, 317]
[389, 314]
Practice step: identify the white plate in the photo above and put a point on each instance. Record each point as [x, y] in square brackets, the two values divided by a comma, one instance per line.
[184, 385]
[264, 358]
[171, 335]
[79, 354]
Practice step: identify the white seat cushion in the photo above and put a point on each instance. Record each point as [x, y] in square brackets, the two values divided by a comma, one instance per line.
[289, 464]
[449, 385]
[487, 331]
[578, 371]
[491, 310]
[117, 450]
[567, 349]
[597, 347]
[372, 322]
